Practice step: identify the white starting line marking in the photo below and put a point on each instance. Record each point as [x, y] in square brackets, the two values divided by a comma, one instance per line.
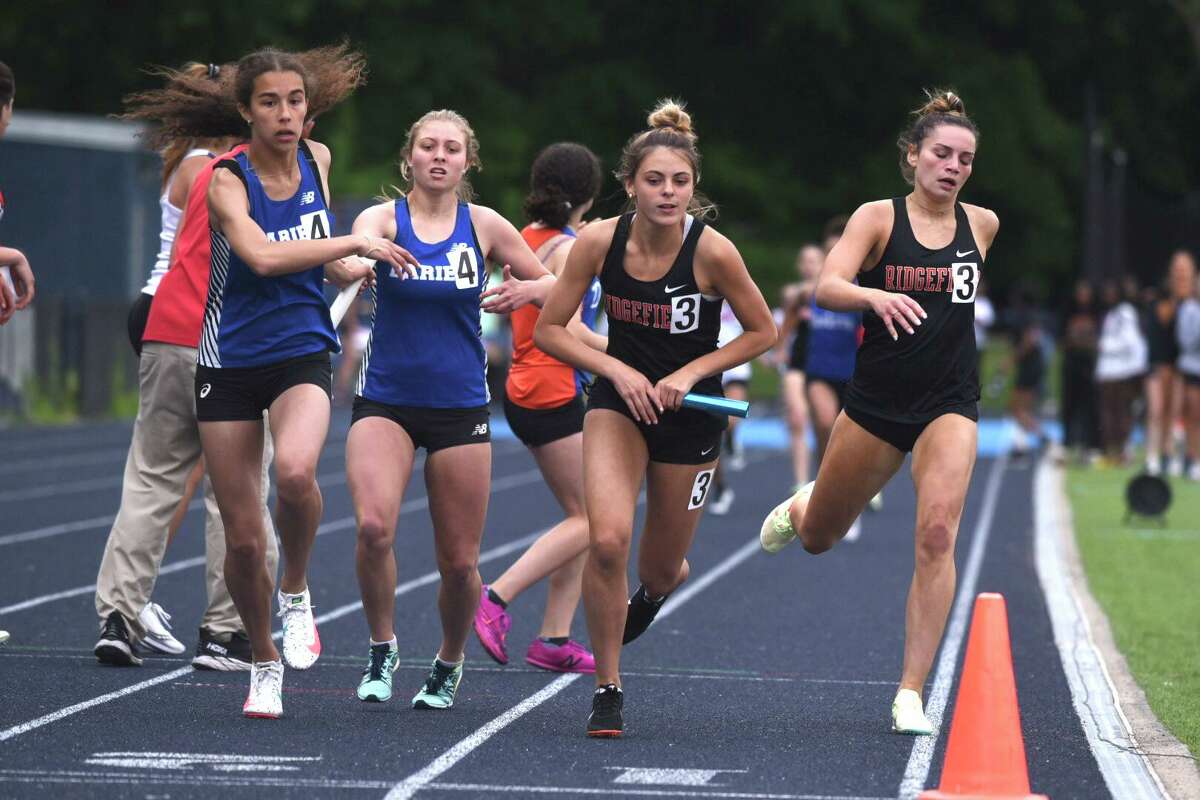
[670, 776]
[423, 779]
[185, 761]
[921, 758]
[341, 611]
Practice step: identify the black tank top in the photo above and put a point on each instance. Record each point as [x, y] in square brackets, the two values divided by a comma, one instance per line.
[935, 369]
[656, 327]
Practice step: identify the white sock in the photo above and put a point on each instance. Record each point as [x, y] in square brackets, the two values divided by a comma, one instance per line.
[390, 642]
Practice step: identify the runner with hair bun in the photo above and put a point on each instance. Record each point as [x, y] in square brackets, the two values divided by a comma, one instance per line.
[665, 274]
[915, 386]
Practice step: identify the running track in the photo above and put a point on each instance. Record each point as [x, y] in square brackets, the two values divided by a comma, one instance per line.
[768, 677]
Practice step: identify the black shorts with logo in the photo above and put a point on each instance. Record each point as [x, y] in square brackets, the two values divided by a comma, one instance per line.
[225, 394]
[432, 428]
[685, 436]
[538, 426]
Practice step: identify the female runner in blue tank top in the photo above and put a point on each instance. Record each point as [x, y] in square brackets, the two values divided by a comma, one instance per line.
[915, 385]
[665, 274]
[423, 384]
[265, 343]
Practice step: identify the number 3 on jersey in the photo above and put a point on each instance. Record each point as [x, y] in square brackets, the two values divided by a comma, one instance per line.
[685, 313]
[461, 259]
[966, 281]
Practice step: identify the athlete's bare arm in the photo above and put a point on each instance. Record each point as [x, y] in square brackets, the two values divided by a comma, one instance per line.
[861, 245]
[185, 176]
[552, 337]
[555, 264]
[379, 221]
[720, 270]
[503, 244]
[229, 213]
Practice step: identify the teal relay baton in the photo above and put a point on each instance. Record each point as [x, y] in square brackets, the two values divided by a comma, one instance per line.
[716, 405]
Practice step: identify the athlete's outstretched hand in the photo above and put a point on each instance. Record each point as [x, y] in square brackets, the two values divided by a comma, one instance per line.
[893, 307]
[509, 295]
[637, 392]
[404, 264]
[344, 271]
[672, 388]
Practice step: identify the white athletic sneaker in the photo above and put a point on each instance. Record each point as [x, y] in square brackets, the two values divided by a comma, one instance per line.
[855, 531]
[301, 644]
[737, 458]
[1175, 467]
[3, 637]
[777, 531]
[1153, 465]
[157, 623]
[876, 502]
[265, 700]
[721, 504]
[908, 716]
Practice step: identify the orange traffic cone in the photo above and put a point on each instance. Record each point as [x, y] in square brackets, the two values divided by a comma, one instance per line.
[985, 755]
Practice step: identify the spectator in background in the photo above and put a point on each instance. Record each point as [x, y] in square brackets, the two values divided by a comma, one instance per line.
[985, 316]
[791, 351]
[1030, 369]
[1164, 386]
[1120, 366]
[1183, 285]
[1080, 417]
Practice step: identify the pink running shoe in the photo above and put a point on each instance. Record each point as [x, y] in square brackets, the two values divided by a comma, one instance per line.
[491, 626]
[570, 657]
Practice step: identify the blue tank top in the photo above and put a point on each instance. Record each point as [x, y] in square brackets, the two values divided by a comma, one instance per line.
[589, 314]
[426, 348]
[832, 343]
[250, 320]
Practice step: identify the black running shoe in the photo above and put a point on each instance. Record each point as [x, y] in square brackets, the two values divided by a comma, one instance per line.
[641, 612]
[231, 656]
[115, 647]
[605, 721]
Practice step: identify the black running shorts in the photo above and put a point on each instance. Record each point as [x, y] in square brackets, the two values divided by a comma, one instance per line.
[538, 426]
[432, 428]
[685, 436]
[903, 435]
[242, 393]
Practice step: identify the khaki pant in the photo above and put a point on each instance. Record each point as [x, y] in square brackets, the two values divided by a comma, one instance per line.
[164, 449]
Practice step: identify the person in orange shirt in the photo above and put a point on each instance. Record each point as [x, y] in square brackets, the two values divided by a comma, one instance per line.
[543, 402]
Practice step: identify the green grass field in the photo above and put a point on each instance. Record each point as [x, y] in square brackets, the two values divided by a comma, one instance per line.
[1147, 579]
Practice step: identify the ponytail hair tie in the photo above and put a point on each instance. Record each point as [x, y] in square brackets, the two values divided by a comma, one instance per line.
[214, 70]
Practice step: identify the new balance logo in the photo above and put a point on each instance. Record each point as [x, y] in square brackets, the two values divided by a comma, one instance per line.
[308, 198]
[480, 430]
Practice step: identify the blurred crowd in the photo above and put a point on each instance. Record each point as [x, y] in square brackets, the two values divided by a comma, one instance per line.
[1132, 353]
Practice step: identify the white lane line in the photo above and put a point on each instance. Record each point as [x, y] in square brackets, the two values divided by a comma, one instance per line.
[416, 504]
[921, 758]
[58, 462]
[340, 611]
[423, 778]
[1126, 771]
[631, 791]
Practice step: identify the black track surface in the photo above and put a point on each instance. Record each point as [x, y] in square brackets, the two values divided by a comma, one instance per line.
[780, 672]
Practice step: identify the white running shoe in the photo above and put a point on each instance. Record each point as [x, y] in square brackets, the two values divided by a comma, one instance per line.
[855, 531]
[157, 623]
[777, 530]
[1153, 465]
[3, 637]
[908, 715]
[301, 644]
[1175, 467]
[876, 502]
[720, 506]
[265, 700]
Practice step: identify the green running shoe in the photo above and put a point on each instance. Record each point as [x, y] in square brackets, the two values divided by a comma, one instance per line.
[376, 683]
[440, 686]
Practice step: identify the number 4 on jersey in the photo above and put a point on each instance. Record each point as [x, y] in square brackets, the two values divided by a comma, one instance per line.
[466, 271]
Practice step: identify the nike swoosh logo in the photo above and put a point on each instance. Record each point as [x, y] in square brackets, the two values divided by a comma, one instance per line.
[706, 452]
[960, 255]
[670, 289]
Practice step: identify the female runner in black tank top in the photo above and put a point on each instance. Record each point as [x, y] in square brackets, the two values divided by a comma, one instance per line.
[915, 387]
[664, 274]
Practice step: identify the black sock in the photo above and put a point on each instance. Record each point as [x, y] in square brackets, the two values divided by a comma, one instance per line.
[495, 598]
[557, 641]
